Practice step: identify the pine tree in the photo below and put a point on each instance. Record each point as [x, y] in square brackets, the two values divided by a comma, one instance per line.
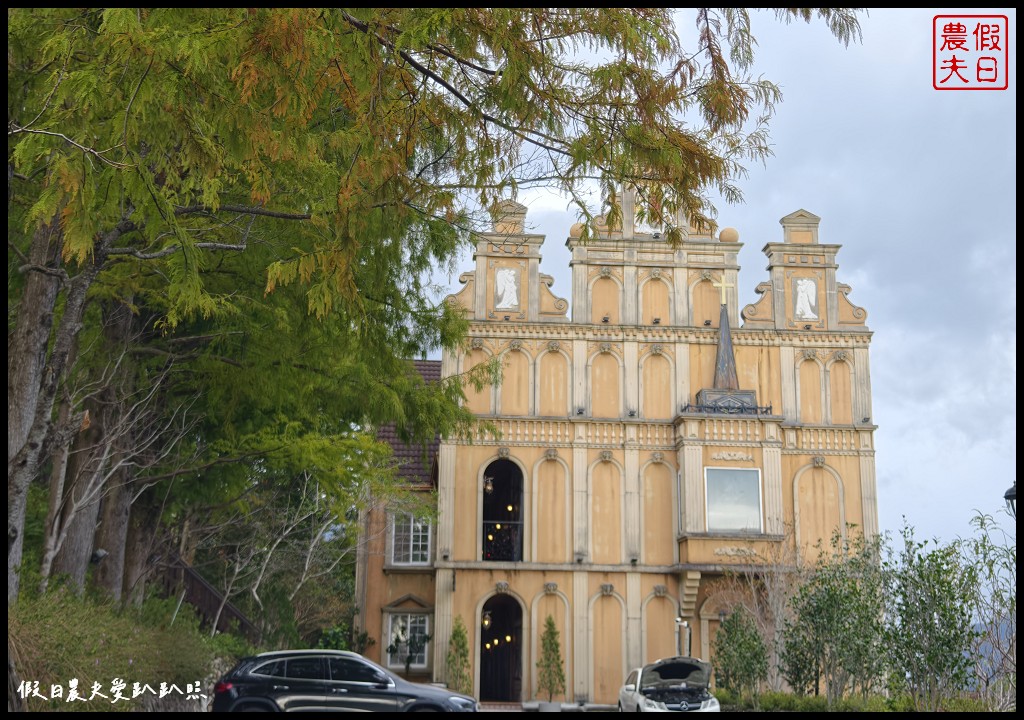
[551, 671]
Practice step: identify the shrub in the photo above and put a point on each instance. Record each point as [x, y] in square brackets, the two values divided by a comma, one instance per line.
[459, 678]
[58, 637]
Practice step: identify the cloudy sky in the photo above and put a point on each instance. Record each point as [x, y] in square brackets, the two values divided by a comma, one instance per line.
[918, 186]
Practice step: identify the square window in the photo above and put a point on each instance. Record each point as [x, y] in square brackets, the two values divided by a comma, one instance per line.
[408, 639]
[410, 540]
[733, 497]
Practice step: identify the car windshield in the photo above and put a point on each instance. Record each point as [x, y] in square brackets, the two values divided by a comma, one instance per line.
[672, 673]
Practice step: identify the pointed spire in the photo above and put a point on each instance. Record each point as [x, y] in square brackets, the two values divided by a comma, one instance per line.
[725, 360]
[726, 396]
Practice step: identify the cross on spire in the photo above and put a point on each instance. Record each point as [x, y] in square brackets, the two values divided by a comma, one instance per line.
[723, 285]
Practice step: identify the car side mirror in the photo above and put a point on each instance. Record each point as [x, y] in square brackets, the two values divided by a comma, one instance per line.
[381, 679]
[630, 687]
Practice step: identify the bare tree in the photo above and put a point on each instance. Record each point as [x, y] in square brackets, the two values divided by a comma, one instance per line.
[993, 552]
[764, 586]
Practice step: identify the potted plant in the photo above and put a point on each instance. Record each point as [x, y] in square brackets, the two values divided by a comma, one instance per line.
[459, 678]
[551, 672]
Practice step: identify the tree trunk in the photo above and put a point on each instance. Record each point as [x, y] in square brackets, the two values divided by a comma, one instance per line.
[26, 359]
[79, 513]
[53, 527]
[119, 489]
[112, 535]
[25, 465]
[14, 701]
[143, 529]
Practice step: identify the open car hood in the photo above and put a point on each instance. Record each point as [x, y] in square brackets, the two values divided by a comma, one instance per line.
[676, 672]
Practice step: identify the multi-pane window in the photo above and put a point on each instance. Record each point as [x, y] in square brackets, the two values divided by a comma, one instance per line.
[408, 639]
[410, 540]
[733, 499]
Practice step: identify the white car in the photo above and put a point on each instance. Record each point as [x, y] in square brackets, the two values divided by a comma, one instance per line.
[678, 684]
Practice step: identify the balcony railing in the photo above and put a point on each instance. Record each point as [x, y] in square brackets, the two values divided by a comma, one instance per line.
[503, 541]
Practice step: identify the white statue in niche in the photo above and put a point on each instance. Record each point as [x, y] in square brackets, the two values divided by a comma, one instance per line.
[806, 295]
[506, 293]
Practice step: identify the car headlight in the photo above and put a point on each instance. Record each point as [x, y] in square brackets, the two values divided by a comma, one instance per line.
[710, 705]
[462, 704]
[653, 704]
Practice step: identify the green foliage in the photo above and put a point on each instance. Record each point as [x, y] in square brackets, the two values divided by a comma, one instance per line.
[728, 699]
[460, 679]
[58, 636]
[779, 702]
[835, 632]
[550, 669]
[741, 656]
[344, 636]
[787, 702]
[932, 597]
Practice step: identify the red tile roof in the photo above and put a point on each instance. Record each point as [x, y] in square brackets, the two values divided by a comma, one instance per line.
[416, 461]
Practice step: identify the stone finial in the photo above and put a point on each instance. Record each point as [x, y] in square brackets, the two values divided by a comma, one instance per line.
[729, 235]
[509, 217]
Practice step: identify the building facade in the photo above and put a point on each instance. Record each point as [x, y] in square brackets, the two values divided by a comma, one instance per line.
[648, 441]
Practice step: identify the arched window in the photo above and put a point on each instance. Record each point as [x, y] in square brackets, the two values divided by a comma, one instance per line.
[503, 512]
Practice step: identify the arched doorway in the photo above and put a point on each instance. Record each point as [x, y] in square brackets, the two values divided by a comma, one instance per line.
[503, 512]
[501, 650]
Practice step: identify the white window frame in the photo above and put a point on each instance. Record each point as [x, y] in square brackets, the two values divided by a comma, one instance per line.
[397, 661]
[415, 529]
[760, 502]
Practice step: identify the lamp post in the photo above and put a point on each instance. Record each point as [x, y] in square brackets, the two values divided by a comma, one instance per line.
[1010, 496]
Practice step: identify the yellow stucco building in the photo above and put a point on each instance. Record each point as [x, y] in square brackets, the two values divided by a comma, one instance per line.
[650, 439]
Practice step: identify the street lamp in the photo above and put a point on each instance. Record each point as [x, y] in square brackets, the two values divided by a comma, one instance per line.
[1010, 496]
